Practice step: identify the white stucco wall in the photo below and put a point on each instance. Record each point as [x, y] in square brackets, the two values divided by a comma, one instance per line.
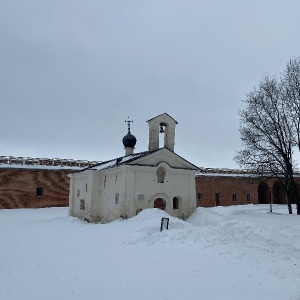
[178, 183]
[80, 189]
[106, 185]
[164, 155]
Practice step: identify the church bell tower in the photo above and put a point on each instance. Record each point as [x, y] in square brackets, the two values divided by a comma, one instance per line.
[162, 124]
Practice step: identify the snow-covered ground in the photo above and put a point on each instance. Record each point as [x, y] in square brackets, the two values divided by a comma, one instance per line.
[238, 252]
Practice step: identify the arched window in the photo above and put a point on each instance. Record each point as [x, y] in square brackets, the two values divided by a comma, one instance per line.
[161, 173]
[176, 203]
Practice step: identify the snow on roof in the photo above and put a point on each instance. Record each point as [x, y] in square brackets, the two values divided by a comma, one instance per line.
[118, 161]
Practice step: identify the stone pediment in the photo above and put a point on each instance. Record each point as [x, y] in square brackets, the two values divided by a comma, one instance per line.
[164, 155]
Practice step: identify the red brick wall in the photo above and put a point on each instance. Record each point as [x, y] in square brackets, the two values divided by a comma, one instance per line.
[18, 188]
[241, 186]
[225, 186]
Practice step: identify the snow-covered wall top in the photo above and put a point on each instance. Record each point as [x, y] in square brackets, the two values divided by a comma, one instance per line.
[44, 163]
[206, 172]
[226, 172]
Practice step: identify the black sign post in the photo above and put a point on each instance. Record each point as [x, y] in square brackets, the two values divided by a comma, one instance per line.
[164, 224]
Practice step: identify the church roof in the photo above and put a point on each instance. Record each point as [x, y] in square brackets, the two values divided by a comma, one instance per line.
[125, 160]
[161, 115]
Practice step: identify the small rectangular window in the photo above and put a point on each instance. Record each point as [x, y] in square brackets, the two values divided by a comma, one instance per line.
[141, 197]
[39, 192]
[78, 193]
[217, 199]
[200, 196]
[234, 197]
[248, 197]
[116, 198]
[82, 204]
[86, 187]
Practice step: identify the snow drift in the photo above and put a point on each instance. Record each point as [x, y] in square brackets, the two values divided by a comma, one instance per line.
[238, 252]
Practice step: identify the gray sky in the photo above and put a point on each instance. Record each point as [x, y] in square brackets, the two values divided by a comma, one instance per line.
[72, 71]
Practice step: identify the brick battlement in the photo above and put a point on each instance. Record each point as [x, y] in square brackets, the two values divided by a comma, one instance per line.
[29, 161]
[204, 171]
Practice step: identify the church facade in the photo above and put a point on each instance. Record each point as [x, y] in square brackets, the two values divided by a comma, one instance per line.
[124, 186]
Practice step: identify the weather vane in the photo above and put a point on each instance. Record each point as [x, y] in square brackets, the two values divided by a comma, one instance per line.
[128, 121]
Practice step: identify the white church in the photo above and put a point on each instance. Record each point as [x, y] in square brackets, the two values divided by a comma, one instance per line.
[122, 187]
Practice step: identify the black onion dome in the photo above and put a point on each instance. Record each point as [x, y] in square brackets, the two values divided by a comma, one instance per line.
[129, 140]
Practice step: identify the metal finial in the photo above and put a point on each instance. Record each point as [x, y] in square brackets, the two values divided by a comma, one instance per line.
[128, 121]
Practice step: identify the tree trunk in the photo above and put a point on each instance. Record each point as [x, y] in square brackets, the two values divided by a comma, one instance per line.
[296, 194]
[289, 202]
[293, 184]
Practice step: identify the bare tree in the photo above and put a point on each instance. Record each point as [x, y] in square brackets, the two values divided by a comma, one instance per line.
[291, 87]
[291, 97]
[268, 136]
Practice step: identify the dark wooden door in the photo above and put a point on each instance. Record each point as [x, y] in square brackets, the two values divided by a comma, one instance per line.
[159, 203]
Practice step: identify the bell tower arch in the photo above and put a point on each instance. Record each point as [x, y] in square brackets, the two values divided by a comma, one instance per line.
[162, 124]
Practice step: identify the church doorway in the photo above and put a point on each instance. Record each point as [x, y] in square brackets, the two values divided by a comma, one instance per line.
[159, 203]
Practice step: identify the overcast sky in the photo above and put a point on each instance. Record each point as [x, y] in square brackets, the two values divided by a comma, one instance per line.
[72, 71]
